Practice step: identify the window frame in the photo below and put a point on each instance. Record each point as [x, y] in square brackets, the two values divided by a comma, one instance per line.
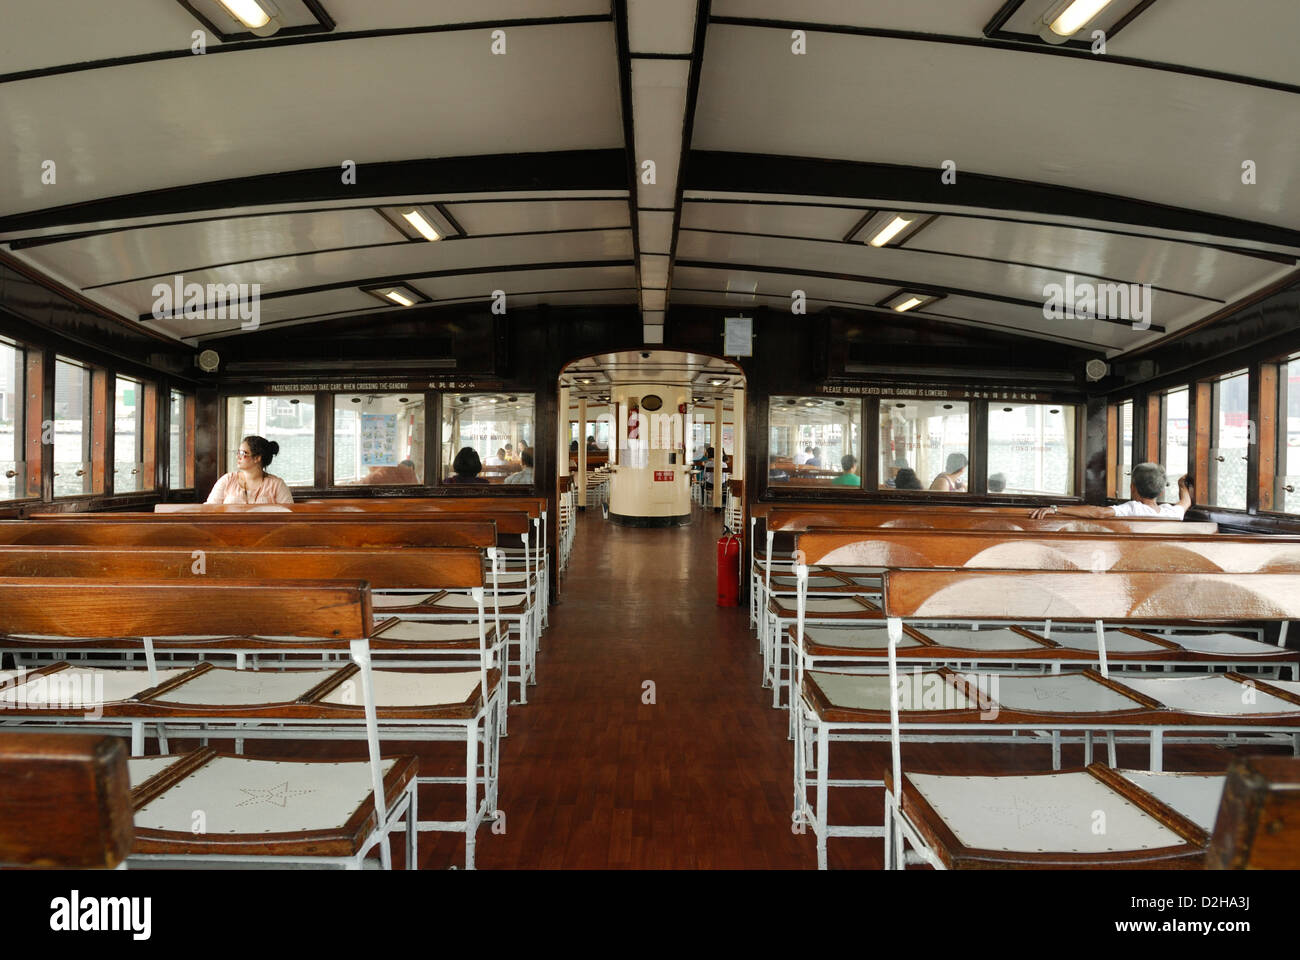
[27, 418]
[434, 478]
[431, 406]
[972, 415]
[866, 468]
[94, 433]
[1207, 427]
[186, 434]
[224, 466]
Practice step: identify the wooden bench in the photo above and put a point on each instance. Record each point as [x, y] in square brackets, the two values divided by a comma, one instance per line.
[106, 530]
[292, 617]
[1259, 821]
[65, 801]
[1113, 597]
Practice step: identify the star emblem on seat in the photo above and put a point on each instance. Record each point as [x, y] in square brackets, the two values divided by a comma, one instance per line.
[276, 796]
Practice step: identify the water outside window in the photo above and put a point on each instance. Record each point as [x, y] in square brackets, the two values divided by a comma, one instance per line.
[1031, 447]
[1231, 443]
[72, 430]
[1173, 413]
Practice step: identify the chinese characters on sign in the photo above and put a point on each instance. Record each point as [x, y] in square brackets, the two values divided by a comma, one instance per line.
[663, 475]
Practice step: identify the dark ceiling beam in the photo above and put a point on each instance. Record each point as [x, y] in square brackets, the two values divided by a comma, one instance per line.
[702, 13]
[623, 52]
[898, 184]
[556, 170]
[989, 43]
[904, 285]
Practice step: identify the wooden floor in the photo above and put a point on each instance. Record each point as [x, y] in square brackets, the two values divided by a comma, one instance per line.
[594, 777]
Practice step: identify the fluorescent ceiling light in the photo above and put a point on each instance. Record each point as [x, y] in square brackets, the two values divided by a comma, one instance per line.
[717, 383]
[416, 219]
[1073, 18]
[248, 12]
[892, 230]
[396, 297]
[908, 304]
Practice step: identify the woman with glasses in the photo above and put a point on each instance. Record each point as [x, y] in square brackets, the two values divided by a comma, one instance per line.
[250, 483]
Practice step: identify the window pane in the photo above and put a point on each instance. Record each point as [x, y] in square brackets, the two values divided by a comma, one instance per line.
[12, 468]
[1228, 451]
[1288, 501]
[486, 423]
[924, 444]
[181, 456]
[813, 442]
[1124, 456]
[72, 430]
[288, 421]
[1031, 445]
[1173, 409]
[378, 439]
[128, 436]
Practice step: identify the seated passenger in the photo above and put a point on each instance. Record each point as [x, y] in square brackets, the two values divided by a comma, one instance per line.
[816, 459]
[900, 463]
[466, 467]
[954, 474]
[907, 480]
[847, 477]
[1148, 482]
[250, 483]
[997, 483]
[497, 461]
[526, 474]
[801, 459]
[509, 451]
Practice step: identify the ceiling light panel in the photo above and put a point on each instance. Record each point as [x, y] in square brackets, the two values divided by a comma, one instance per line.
[890, 228]
[396, 294]
[1039, 20]
[423, 222]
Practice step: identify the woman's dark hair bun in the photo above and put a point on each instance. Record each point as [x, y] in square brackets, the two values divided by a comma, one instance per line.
[261, 447]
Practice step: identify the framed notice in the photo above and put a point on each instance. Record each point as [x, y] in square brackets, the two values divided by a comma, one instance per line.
[738, 337]
[379, 439]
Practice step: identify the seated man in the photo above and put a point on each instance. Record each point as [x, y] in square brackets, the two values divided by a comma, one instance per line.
[847, 477]
[526, 474]
[1148, 482]
[801, 459]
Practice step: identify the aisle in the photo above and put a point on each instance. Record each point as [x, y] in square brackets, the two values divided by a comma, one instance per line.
[594, 777]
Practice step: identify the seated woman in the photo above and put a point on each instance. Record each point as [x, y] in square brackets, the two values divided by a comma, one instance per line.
[466, 467]
[954, 474]
[525, 475]
[498, 460]
[907, 480]
[847, 477]
[250, 483]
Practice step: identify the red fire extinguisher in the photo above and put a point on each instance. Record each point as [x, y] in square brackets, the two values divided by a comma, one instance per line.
[729, 571]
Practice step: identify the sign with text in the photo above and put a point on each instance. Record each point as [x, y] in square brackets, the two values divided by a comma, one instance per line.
[663, 475]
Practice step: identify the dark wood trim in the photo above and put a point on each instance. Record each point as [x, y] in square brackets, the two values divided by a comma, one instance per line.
[1047, 49]
[283, 39]
[623, 45]
[977, 442]
[1201, 438]
[323, 412]
[1264, 397]
[869, 470]
[729, 172]
[1092, 454]
[102, 384]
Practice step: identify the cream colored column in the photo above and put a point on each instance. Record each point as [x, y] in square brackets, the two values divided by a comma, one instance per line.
[582, 451]
[738, 428]
[718, 414]
[562, 441]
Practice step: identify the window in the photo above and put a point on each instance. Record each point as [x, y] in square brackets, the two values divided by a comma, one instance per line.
[13, 468]
[289, 421]
[1124, 454]
[73, 470]
[181, 441]
[486, 423]
[1286, 498]
[1173, 437]
[1031, 446]
[920, 440]
[132, 463]
[378, 439]
[810, 440]
[1230, 443]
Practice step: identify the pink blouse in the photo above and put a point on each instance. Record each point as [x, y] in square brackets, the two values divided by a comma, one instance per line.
[272, 490]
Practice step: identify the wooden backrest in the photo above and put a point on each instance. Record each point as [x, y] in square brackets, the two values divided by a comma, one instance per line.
[1014, 595]
[533, 506]
[76, 607]
[813, 518]
[65, 801]
[106, 530]
[1258, 827]
[1219, 553]
[507, 520]
[452, 568]
[762, 509]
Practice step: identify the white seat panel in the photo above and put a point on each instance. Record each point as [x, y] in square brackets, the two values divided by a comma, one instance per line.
[998, 638]
[382, 601]
[918, 690]
[83, 685]
[1221, 643]
[235, 687]
[400, 688]
[425, 632]
[244, 795]
[1116, 642]
[140, 769]
[1195, 795]
[1213, 695]
[1064, 693]
[1051, 813]
[856, 638]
